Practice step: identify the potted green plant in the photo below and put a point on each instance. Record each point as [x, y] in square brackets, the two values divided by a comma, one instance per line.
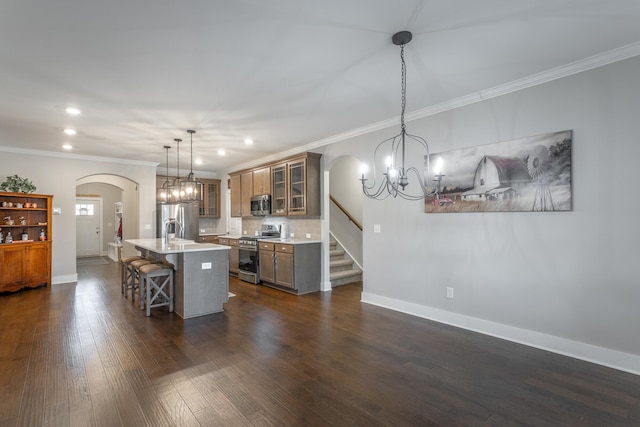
[16, 184]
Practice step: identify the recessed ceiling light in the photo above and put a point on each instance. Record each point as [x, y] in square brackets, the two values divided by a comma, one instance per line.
[70, 131]
[198, 161]
[72, 110]
[67, 146]
[248, 141]
[221, 152]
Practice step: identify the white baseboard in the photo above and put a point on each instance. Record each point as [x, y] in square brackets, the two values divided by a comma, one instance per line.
[70, 278]
[325, 286]
[603, 356]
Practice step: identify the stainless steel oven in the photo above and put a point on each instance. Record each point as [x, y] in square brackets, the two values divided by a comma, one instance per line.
[248, 260]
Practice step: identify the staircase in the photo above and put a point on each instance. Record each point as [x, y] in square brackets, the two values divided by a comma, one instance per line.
[342, 268]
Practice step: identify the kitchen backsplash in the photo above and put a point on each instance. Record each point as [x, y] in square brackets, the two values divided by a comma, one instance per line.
[299, 227]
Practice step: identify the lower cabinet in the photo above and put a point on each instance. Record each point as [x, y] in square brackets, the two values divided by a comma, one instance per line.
[208, 239]
[291, 267]
[234, 259]
[234, 256]
[24, 265]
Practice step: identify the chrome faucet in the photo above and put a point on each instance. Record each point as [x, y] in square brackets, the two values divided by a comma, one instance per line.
[167, 224]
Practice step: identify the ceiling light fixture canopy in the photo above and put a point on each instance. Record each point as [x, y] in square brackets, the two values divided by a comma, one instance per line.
[395, 178]
[162, 194]
[190, 187]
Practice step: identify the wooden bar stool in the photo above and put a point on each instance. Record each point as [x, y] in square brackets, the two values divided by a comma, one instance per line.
[126, 270]
[156, 286]
[134, 277]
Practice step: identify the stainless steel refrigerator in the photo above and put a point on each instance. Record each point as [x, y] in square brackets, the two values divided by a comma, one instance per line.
[186, 213]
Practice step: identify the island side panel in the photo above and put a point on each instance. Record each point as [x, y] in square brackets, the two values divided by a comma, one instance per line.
[200, 291]
[307, 273]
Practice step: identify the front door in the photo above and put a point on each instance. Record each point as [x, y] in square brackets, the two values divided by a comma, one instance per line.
[88, 226]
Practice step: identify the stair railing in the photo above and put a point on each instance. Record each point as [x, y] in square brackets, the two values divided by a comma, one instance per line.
[344, 211]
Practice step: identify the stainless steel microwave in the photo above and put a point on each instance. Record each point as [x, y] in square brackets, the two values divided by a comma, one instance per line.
[261, 205]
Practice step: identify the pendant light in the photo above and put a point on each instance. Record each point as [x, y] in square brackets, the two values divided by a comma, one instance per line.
[162, 194]
[174, 189]
[395, 178]
[190, 187]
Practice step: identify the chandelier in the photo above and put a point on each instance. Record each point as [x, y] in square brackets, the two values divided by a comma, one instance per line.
[189, 188]
[162, 194]
[397, 171]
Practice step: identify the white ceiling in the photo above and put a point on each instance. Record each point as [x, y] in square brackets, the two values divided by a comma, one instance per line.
[284, 72]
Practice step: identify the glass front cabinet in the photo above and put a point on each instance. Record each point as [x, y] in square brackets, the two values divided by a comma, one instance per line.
[295, 186]
[279, 189]
[210, 198]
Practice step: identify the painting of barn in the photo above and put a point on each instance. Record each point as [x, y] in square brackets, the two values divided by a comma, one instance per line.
[528, 174]
[498, 178]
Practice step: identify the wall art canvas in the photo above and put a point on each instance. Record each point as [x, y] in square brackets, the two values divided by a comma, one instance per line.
[523, 175]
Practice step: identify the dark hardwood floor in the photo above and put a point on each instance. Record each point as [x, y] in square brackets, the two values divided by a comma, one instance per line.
[81, 355]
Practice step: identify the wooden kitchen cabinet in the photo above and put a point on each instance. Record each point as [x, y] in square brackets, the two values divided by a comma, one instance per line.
[246, 190]
[210, 198]
[241, 186]
[234, 255]
[25, 263]
[294, 185]
[284, 269]
[236, 195]
[291, 267]
[267, 266]
[261, 181]
[208, 239]
[279, 189]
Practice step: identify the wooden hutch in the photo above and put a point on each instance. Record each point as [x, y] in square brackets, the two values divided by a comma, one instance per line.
[25, 258]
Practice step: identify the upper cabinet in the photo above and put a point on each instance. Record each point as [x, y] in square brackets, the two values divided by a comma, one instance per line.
[261, 181]
[210, 198]
[279, 189]
[294, 185]
[236, 195]
[246, 191]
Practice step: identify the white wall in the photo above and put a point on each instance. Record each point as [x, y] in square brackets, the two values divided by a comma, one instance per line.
[56, 175]
[565, 281]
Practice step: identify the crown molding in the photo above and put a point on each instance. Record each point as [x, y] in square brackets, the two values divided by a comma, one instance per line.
[592, 62]
[30, 152]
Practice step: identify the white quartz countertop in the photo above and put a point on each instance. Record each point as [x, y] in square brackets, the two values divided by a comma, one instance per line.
[291, 241]
[175, 246]
[231, 236]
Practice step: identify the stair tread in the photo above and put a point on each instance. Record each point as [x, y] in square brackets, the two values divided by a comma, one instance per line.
[344, 273]
[343, 261]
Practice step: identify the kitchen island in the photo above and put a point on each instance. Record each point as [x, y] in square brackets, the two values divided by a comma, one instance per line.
[201, 281]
